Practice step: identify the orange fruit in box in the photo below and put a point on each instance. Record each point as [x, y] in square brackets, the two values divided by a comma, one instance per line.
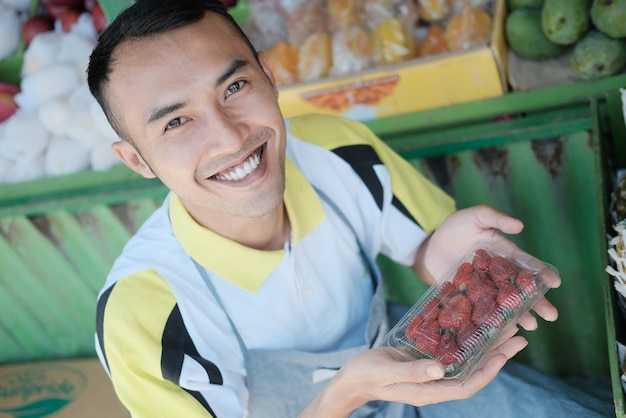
[308, 18]
[342, 13]
[434, 43]
[282, 59]
[434, 10]
[315, 57]
[392, 42]
[351, 50]
[469, 28]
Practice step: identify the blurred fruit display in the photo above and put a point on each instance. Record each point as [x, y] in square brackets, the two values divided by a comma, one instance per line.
[50, 124]
[589, 35]
[311, 40]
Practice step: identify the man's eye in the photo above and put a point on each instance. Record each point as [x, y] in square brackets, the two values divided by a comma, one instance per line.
[175, 123]
[235, 87]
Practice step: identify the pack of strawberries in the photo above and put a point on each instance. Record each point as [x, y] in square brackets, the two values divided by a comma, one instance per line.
[465, 313]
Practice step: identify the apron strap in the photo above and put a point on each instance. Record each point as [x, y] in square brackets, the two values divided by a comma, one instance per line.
[371, 264]
[206, 279]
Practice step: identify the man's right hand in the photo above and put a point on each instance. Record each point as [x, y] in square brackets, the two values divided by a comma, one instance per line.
[379, 374]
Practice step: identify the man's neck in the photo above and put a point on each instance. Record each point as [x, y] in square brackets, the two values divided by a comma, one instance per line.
[268, 233]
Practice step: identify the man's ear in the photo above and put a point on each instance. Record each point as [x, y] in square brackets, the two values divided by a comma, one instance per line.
[129, 155]
[266, 69]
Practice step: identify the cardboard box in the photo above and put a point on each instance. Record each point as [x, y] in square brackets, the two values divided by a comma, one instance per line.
[414, 85]
[58, 389]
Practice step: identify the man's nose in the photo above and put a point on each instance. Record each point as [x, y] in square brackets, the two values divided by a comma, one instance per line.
[229, 129]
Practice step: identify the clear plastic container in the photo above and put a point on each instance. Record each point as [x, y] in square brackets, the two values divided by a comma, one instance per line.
[464, 314]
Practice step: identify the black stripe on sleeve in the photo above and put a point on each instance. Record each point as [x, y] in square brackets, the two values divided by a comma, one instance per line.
[362, 159]
[177, 343]
[395, 202]
[102, 301]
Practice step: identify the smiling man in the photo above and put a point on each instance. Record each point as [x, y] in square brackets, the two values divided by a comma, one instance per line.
[253, 290]
[211, 133]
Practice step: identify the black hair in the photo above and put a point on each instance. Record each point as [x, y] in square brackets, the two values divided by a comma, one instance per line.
[146, 18]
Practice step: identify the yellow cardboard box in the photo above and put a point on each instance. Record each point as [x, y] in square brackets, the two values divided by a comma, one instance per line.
[419, 84]
[58, 389]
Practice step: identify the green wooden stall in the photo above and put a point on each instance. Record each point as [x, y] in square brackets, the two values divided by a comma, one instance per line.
[546, 156]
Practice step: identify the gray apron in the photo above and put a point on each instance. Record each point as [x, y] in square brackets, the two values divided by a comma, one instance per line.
[281, 383]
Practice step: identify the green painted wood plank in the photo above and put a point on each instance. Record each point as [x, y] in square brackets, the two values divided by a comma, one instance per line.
[81, 198]
[87, 243]
[61, 184]
[510, 104]
[12, 351]
[31, 298]
[106, 230]
[612, 319]
[112, 8]
[567, 237]
[54, 273]
[614, 322]
[617, 127]
[81, 248]
[138, 211]
[24, 330]
[417, 144]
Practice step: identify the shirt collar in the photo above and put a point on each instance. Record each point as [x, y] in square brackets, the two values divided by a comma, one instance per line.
[243, 266]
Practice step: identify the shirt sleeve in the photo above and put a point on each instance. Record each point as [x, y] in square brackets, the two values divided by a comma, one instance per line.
[402, 206]
[155, 369]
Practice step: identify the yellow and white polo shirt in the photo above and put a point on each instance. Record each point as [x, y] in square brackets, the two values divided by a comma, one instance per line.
[167, 343]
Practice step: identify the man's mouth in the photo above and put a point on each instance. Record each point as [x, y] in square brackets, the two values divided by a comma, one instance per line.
[243, 169]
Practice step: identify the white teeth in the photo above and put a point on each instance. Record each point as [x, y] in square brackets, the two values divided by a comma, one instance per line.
[243, 170]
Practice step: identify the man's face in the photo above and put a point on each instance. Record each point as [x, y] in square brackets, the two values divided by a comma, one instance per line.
[204, 118]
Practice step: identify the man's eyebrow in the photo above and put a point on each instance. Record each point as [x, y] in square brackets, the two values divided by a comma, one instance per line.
[233, 68]
[158, 113]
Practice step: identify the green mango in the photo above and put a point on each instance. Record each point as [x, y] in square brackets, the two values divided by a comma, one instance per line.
[525, 4]
[609, 17]
[596, 56]
[565, 21]
[525, 37]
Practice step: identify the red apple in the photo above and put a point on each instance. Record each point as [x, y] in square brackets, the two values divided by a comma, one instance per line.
[229, 3]
[73, 4]
[35, 25]
[68, 19]
[7, 103]
[56, 8]
[89, 4]
[99, 19]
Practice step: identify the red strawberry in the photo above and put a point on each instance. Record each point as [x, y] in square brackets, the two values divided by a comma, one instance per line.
[481, 260]
[509, 297]
[446, 292]
[455, 313]
[480, 288]
[412, 330]
[526, 281]
[431, 309]
[502, 270]
[448, 352]
[428, 336]
[466, 334]
[463, 276]
[484, 310]
[482, 278]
